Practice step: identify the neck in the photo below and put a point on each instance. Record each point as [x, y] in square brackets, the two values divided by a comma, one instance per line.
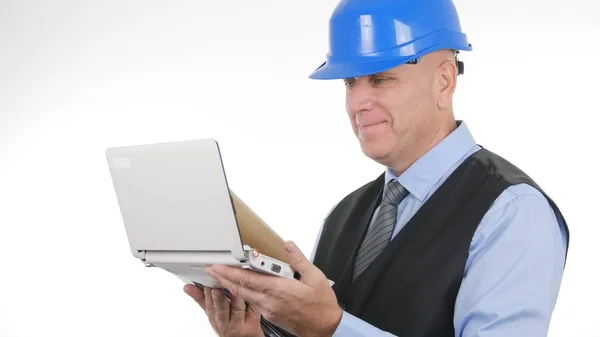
[406, 160]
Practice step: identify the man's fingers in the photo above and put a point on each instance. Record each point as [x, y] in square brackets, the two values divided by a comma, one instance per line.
[210, 307]
[196, 293]
[245, 278]
[242, 283]
[221, 305]
[297, 260]
[238, 310]
[252, 314]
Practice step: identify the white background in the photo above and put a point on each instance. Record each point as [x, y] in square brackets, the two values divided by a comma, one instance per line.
[77, 77]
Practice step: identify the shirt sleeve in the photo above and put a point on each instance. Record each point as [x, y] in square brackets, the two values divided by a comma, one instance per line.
[514, 269]
[351, 326]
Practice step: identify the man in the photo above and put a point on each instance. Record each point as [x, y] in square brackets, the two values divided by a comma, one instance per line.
[451, 240]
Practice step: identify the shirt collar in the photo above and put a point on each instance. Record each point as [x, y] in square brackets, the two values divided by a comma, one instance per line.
[423, 174]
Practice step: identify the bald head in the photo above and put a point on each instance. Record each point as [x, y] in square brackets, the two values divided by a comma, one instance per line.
[445, 59]
[441, 66]
[440, 56]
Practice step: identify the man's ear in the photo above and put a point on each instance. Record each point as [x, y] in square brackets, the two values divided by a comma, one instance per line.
[446, 83]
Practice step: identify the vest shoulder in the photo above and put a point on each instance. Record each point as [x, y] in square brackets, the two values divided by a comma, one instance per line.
[502, 168]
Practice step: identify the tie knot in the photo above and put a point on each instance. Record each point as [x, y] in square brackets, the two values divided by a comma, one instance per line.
[394, 193]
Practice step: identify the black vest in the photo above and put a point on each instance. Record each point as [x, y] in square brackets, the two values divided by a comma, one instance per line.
[410, 289]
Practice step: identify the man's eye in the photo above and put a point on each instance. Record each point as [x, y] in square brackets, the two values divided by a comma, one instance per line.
[348, 83]
[378, 80]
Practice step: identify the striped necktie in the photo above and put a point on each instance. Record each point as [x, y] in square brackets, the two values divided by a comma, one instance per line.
[380, 232]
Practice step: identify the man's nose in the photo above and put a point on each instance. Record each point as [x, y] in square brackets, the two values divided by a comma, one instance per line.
[359, 98]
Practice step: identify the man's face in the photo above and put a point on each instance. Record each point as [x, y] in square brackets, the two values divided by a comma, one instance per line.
[396, 112]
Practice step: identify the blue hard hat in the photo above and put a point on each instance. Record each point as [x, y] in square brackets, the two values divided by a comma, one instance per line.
[371, 36]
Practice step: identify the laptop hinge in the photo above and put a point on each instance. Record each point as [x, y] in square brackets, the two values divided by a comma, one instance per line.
[204, 258]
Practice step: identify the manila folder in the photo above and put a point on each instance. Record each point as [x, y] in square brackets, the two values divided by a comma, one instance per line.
[255, 232]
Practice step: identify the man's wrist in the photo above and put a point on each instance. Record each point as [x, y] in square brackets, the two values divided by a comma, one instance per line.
[333, 324]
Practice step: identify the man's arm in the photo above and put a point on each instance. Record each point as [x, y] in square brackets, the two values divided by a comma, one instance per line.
[514, 269]
[512, 275]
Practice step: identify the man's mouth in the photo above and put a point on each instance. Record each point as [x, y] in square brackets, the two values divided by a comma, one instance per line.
[366, 125]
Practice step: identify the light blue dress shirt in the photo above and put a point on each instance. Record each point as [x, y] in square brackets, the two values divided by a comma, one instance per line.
[516, 258]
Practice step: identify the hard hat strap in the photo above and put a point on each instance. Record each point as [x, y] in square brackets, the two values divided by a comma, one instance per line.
[459, 64]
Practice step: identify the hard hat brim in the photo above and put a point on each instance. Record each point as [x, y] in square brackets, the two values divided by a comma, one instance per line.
[333, 71]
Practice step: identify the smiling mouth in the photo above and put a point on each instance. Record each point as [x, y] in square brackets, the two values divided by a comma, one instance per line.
[372, 124]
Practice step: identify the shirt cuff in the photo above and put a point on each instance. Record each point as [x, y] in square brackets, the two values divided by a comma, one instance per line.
[352, 326]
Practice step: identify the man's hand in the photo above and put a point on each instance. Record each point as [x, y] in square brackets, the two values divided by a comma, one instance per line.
[305, 308]
[228, 320]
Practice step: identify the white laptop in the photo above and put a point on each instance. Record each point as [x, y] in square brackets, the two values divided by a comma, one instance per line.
[177, 211]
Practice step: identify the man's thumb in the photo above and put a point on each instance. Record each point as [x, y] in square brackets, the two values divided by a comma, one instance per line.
[296, 259]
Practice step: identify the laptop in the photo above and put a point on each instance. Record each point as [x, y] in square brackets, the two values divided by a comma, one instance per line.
[178, 213]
